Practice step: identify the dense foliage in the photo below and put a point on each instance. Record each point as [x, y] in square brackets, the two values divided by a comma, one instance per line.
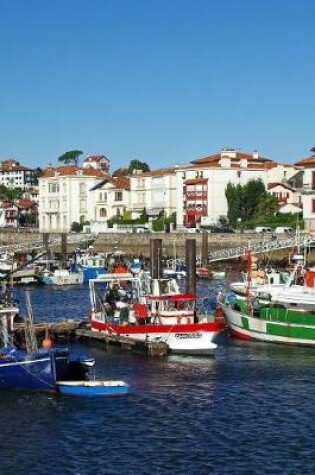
[251, 205]
[138, 165]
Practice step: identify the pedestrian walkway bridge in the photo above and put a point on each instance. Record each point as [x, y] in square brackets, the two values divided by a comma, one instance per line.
[262, 247]
[40, 245]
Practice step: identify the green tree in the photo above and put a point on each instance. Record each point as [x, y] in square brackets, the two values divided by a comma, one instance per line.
[243, 201]
[70, 157]
[267, 205]
[76, 227]
[138, 165]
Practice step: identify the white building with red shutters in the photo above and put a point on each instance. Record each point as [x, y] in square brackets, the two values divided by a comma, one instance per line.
[201, 186]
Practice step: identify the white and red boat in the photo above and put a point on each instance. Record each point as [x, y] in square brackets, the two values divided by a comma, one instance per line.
[121, 305]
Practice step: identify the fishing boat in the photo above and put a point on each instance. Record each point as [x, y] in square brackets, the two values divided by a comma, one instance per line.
[92, 388]
[91, 262]
[288, 317]
[32, 367]
[162, 314]
[62, 277]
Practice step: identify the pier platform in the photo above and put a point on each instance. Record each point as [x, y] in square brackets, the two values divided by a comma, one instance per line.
[73, 331]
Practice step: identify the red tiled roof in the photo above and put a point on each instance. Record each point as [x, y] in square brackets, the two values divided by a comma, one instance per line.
[196, 181]
[273, 185]
[308, 162]
[25, 204]
[121, 182]
[95, 158]
[214, 159]
[71, 170]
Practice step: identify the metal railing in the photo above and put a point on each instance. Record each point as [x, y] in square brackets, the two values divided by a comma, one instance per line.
[53, 241]
[265, 246]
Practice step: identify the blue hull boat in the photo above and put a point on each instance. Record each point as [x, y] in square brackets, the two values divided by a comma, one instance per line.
[39, 370]
[93, 388]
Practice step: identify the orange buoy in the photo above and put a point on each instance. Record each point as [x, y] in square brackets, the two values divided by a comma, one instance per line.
[47, 343]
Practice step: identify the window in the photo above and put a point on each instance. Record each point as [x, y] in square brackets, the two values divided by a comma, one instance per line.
[103, 213]
[313, 206]
[118, 195]
[53, 187]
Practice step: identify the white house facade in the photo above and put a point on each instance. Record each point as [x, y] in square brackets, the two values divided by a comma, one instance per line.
[201, 186]
[154, 191]
[307, 165]
[14, 175]
[112, 198]
[65, 196]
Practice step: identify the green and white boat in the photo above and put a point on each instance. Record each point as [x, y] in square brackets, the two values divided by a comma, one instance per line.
[274, 322]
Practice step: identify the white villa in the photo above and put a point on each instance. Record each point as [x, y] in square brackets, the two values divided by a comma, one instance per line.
[154, 191]
[65, 194]
[112, 198]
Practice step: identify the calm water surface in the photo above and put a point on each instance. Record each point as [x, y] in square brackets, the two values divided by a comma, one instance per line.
[248, 410]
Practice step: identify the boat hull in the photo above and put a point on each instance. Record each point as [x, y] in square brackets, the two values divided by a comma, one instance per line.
[190, 339]
[269, 330]
[39, 371]
[33, 372]
[93, 388]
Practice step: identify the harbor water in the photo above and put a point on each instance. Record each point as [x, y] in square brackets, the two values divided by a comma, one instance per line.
[247, 410]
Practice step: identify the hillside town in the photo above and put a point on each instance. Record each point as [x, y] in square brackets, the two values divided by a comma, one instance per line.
[56, 197]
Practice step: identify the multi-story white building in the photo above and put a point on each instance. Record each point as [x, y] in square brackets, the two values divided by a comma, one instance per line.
[65, 195]
[112, 198]
[14, 175]
[154, 191]
[201, 186]
[307, 167]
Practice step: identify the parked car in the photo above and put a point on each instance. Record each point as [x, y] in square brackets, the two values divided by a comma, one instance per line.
[263, 229]
[142, 230]
[219, 229]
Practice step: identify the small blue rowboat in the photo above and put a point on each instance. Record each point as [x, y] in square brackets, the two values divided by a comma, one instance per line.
[93, 388]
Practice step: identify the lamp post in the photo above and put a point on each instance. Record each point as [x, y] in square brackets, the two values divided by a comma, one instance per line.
[239, 226]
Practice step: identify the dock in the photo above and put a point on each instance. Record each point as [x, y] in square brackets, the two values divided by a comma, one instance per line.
[79, 331]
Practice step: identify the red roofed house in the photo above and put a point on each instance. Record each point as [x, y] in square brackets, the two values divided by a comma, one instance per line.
[112, 198]
[65, 195]
[14, 175]
[201, 185]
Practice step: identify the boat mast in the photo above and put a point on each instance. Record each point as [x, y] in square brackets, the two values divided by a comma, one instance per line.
[248, 260]
[30, 335]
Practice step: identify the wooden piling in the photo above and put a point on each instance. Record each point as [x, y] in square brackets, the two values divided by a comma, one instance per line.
[156, 258]
[191, 265]
[64, 247]
[204, 249]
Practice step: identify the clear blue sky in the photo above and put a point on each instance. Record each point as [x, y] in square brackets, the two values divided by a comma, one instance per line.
[162, 81]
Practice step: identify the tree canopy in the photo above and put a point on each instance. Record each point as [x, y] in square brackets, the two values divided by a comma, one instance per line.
[138, 165]
[10, 194]
[70, 157]
[249, 202]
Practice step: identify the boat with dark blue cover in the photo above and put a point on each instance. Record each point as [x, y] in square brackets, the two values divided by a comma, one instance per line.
[33, 367]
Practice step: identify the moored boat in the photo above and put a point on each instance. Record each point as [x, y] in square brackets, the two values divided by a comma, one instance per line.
[269, 323]
[92, 388]
[167, 315]
[287, 318]
[61, 277]
[32, 367]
